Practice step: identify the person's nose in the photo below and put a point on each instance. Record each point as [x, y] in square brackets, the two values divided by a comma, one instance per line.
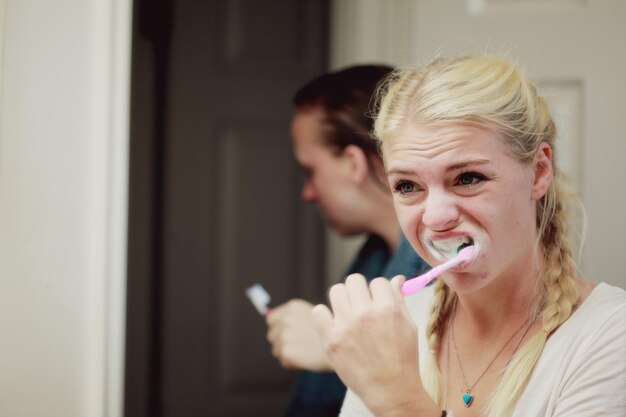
[308, 193]
[440, 210]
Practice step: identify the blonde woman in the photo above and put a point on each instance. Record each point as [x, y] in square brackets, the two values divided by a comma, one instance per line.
[468, 146]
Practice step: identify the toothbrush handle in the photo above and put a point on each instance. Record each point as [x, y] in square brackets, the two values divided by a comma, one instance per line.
[417, 283]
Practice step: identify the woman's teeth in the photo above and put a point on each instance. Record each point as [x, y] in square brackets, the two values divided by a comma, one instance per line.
[449, 248]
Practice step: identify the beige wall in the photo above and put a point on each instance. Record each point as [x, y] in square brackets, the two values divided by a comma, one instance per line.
[63, 146]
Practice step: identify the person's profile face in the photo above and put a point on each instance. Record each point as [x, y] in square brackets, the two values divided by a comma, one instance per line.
[457, 185]
[325, 182]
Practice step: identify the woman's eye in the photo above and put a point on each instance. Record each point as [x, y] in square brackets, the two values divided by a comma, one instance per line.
[404, 187]
[470, 178]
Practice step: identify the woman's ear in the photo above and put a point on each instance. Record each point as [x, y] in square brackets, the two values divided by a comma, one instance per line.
[357, 162]
[543, 171]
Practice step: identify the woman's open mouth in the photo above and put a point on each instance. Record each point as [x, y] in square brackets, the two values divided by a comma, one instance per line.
[446, 249]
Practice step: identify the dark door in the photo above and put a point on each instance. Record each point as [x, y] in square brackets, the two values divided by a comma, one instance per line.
[214, 201]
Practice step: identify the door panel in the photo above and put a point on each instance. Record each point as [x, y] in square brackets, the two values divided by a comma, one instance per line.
[222, 188]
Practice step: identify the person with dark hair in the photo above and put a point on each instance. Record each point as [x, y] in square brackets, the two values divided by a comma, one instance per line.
[345, 177]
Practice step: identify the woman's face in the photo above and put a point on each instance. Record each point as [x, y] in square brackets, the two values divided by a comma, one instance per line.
[327, 180]
[456, 185]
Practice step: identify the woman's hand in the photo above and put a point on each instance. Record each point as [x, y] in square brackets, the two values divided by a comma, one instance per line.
[371, 342]
[295, 342]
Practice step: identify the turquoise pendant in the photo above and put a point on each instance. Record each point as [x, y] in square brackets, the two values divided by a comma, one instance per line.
[468, 398]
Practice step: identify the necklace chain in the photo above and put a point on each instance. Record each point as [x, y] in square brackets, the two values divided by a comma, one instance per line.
[468, 387]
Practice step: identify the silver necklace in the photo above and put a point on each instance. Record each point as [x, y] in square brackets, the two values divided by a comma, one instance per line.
[468, 397]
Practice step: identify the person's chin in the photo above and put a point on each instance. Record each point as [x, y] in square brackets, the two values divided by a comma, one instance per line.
[343, 230]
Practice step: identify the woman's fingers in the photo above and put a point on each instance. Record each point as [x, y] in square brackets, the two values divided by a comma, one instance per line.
[339, 301]
[382, 292]
[356, 296]
[322, 320]
[355, 301]
[396, 286]
[358, 293]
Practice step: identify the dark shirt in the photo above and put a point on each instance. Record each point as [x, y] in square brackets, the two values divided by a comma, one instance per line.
[320, 394]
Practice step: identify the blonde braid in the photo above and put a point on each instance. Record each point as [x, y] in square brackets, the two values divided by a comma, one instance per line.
[560, 297]
[560, 270]
[440, 311]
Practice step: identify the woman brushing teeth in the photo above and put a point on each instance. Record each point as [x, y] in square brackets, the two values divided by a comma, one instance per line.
[468, 150]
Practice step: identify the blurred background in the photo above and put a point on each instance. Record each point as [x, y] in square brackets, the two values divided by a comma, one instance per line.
[146, 179]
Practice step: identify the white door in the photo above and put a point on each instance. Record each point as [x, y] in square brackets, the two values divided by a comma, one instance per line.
[575, 50]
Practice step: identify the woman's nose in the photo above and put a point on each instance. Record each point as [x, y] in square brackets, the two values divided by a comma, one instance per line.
[440, 210]
[308, 192]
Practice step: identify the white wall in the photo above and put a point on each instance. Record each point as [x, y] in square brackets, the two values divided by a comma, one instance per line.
[63, 175]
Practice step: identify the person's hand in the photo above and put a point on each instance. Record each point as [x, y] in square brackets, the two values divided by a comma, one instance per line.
[371, 342]
[295, 342]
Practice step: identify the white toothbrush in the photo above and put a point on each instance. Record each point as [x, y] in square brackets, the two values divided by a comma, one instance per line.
[259, 297]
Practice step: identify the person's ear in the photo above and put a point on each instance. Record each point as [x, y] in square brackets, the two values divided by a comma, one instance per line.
[357, 162]
[543, 171]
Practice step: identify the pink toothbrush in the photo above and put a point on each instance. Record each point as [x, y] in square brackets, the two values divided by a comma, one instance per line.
[417, 283]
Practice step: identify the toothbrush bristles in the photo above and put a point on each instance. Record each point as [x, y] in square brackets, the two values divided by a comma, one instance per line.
[464, 245]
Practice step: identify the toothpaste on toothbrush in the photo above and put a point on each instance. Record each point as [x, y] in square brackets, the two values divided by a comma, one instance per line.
[417, 283]
[259, 297]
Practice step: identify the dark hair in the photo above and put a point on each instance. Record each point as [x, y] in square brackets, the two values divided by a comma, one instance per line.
[345, 97]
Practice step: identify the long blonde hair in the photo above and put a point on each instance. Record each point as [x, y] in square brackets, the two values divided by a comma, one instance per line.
[491, 93]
